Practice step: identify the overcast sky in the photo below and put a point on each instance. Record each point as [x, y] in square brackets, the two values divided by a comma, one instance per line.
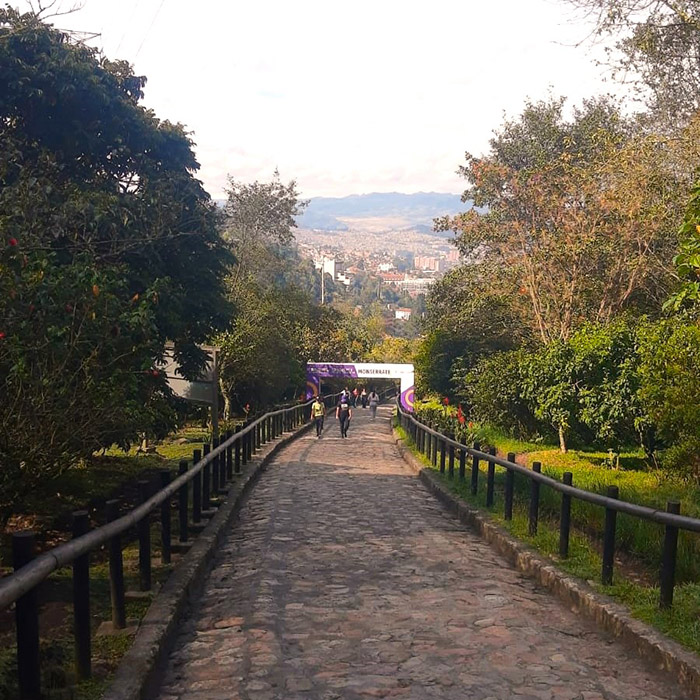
[346, 98]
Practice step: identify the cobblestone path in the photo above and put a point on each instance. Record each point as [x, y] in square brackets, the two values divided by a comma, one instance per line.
[345, 579]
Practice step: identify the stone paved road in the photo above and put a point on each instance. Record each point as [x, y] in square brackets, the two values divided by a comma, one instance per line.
[345, 579]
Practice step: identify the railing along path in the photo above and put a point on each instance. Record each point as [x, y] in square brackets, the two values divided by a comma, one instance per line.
[210, 472]
[430, 442]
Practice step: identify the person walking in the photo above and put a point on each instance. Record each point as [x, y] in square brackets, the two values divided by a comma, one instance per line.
[373, 403]
[343, 412]
[355, 393]
[318, 413]
[363, 396]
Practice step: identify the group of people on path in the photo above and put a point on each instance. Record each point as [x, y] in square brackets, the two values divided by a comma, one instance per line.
[343, 410]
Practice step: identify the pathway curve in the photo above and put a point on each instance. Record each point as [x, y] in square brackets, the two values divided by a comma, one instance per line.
[345, 579]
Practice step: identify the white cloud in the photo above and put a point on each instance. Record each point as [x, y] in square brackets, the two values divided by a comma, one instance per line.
[343, 97]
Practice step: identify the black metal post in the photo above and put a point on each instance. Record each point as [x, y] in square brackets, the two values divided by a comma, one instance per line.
[206, 479]
[144, 530]
[451, 458]
[609, 539]
[244, 450]
[534, 500]
[214, 473]
[475, 470]
[116, 570]
[509, 489]
[197, 489]
[183, 497]
[237, 455]
[165, 531]
[81, 600]
[565, 518]
[667, 579]
[490, 478]
[463, 462]
[443, 455]
[229, 456]
[27, 622]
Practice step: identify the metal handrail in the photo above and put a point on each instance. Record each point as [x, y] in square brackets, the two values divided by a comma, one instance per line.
[682, 522]
[23, 580]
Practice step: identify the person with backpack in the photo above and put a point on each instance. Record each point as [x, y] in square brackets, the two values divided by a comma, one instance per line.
[373, 403]
[343, 412]
[318, 413]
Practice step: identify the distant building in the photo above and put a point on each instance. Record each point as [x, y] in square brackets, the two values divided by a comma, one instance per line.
[417, 285]
[385, 267]
[428, 262]
[392, 277]
[402, 314]
[327, 265]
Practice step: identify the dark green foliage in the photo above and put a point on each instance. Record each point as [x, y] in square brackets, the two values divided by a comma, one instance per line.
[468, 316]
[493, 392]
[109, 246]
[669, 374]
[610, 385]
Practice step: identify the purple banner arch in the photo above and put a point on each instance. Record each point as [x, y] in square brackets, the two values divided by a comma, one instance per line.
[315, 371]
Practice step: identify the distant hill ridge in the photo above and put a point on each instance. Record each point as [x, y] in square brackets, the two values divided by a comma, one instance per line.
[409, 211]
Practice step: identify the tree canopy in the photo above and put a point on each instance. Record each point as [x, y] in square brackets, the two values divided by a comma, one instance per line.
[109, 248]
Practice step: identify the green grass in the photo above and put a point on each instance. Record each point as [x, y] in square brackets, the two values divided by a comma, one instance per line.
[104, 476]
[681, 623]
[57, 643]
[89, 486]
[640, 538]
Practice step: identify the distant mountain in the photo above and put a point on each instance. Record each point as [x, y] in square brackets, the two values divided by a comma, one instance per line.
[390, 210]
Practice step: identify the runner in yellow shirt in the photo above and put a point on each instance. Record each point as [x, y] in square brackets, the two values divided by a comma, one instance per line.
[318, 413]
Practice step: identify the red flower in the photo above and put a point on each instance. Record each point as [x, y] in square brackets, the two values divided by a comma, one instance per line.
[12, 241]
[2, 335]
[460, 415]
[446, 401]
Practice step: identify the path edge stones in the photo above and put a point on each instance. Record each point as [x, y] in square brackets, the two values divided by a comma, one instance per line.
[652, 646]
[139, 671]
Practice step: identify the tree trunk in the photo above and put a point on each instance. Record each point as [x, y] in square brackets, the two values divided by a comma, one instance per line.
[562, 440]
[227, 401]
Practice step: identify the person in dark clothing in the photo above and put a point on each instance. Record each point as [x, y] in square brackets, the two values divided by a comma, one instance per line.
[343, 412]
[373, 403]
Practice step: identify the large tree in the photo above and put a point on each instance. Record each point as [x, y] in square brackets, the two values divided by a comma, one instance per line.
[578, 214]
[656, 47]
[109, 248]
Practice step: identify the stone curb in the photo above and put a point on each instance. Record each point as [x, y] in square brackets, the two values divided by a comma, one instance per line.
[651, 645]
[138, 672]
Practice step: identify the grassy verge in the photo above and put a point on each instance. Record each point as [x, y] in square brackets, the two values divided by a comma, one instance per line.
[114, 474]
[591, 471]
[681, 623]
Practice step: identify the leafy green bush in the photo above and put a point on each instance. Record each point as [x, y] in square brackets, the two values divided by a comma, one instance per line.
[609, 385]
[494, 393]
[669, 374]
